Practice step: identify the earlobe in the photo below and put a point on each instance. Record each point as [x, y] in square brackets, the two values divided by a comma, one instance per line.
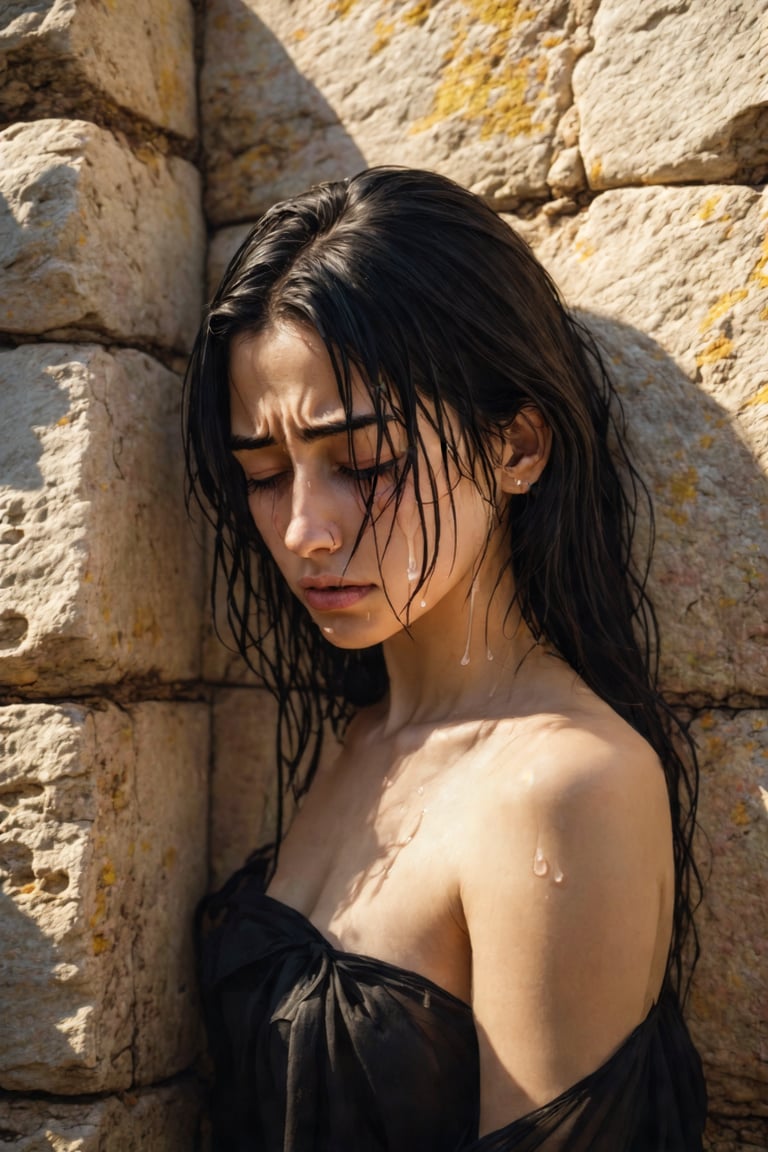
[527, 443]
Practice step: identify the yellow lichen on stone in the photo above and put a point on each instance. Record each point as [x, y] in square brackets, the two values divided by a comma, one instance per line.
[683, 486]
[299, 34]
[100, 944]
[595, 172]
[739, 814]
[384, 31]
[759, 274]
[707, 210]
[718, 349]
[108, 874]
[419, 13]
[584, 249]
[723, 305]
[760, 397]
[482, 84]
[341, 7]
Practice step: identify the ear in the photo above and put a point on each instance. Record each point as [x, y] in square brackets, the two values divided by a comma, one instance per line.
[525, 451]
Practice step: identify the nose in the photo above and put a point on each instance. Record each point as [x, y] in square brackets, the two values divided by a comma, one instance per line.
[311, 526]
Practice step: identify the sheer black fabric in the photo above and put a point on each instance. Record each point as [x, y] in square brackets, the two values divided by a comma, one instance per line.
[318, 1050]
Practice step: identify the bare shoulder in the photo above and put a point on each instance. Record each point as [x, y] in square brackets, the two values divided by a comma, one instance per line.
[576, 773]
[567, 890]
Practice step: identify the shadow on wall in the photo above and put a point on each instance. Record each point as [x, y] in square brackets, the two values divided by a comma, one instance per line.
[295, 137]
[30, 968]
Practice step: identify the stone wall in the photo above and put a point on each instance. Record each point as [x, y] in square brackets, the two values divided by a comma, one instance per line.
[628, 141]
[104, 728]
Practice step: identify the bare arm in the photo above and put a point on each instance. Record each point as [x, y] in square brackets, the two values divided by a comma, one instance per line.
[565, 968]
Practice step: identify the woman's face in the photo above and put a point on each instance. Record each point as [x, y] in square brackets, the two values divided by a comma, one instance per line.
[290, 434]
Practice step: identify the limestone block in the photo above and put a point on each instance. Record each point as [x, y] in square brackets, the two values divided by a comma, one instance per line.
[101, 573]
[674, 92]
[243, 782]
[97, 239]
[727, 1004]
[735, 1133]
[63, 56]
[243, 779]
[296, 93]
[159, 1120]
[673, 282]
[102, 859]
[224, 243]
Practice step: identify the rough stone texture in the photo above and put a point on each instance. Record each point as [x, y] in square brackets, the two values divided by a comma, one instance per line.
[735, 1134]
[97, 239]
[63, 56]
[102, 858]
[673, 281]
[101, 573]
[243, 780]
[674, 92]
[296, 93]
[160, 1120]
[221, 249]
[243, 777]
[727, 1005]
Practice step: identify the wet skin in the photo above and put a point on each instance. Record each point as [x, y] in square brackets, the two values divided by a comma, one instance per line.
[492, 824]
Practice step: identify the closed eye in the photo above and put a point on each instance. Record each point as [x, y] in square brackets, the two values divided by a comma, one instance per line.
[358, 475]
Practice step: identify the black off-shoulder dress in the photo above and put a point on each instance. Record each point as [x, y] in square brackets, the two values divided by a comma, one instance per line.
[318, 1050]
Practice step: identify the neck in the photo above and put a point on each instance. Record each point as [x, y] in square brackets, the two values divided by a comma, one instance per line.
[459, 660]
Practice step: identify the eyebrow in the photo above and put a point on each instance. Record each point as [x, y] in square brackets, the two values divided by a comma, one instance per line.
[308, 434]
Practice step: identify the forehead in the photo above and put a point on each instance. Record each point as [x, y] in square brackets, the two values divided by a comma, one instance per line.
[283, 376]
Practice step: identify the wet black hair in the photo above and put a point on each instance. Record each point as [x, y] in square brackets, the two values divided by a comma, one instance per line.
[447, 317]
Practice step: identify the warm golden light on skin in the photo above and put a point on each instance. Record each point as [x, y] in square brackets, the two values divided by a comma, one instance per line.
[292, 439]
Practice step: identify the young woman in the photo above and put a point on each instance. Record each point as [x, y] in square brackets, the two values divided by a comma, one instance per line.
[471, 936]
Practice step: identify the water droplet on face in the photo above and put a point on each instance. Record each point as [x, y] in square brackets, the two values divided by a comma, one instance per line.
[558, 876]
[540, 865]
[408, 839]
[420, 790]
[422, 604]
[328, 631]
[368, 617]
[488, 654]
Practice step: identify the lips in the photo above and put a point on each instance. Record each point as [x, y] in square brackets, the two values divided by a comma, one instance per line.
[323, 596]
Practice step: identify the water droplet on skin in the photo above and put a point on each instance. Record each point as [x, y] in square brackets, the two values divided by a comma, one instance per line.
[420, 790]
[422, 604]
[408, 839]
[387, 783]
[328, 631]
[472, 594]
[488, 654]
[368, 617]
[412, 571]
[540, 865]
[558, 876]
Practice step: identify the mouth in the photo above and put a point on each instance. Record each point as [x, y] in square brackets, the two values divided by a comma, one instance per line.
[323, 595]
